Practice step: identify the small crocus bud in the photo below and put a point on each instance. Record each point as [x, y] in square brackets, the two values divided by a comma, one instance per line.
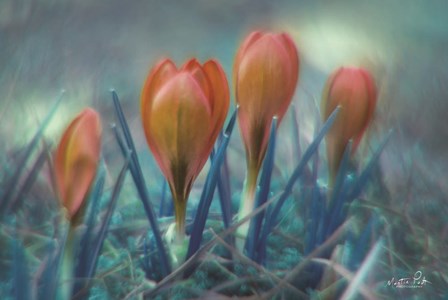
[76, 161]
[354, 90]
[266, 71]
[183, 111]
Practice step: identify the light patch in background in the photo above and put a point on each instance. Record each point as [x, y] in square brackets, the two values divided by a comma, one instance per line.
[26, 119]
[59, 121]
[327, 45]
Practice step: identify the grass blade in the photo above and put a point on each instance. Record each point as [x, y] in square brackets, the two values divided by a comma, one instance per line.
[354, 286]
[362, 179]
[342, 172]
[224, 190]
[105, 223]
[362, 244]
[270, 221]
[145, 262]
[84, 256]
[207, 193]
[263, 192]
[163, 209]
[137, 175]
[338, 194]
[295, 132]
[335, 215]
[29, 181]
[49, 280]
[315, 219]
[21, 282]
[6, 196]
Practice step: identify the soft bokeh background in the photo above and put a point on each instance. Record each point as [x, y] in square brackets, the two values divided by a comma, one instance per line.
[87, 47]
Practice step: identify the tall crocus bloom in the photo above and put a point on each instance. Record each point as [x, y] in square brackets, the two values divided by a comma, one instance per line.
[355, 91]
[183, 111]
[76, 161]
[265, 74]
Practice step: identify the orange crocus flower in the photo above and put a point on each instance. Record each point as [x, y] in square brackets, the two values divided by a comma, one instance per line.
[266, 71]
[183, 111]
[76, 160]
[355, 91]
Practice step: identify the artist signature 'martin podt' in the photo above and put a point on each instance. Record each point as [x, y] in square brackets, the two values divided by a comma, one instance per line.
[417, 281]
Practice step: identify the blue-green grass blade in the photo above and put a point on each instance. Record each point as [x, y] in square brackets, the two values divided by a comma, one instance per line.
[207, 193]
[137, 175]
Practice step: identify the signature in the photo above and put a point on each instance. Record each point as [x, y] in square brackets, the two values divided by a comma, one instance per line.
[416, 281]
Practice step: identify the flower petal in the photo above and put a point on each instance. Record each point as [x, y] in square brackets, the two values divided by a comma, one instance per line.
[294, 64]
[220, 99]
[372, 98]
[252, 38]
[60, 158]
[179, 127]
[354, 90]
[195, 69]
[262, 91]
[158, 76]
[77, 159]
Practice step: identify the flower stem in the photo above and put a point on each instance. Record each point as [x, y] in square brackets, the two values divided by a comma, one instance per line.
[67, 267]
[180, 206]
[247, 204]
[175, 235]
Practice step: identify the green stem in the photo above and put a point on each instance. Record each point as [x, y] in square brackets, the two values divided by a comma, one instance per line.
[247, 204]
[180, 206]
[67, 267]
[175, 235]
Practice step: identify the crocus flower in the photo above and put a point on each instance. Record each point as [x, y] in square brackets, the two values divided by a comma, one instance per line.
[265, 74]
[354, 90]
[76, 160]
[183, 111]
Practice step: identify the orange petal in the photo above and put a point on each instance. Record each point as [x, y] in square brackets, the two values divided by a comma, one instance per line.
[327, 105]
[179, 125]
[372, 98]
[220, 89]
[221, 96]
[158, 76]
[354, 90]
[262, 75]
[291, 49]
[262, 92]
[60, 158]
[77, 159]
[349, 91]
[195, 69]
[253, 37]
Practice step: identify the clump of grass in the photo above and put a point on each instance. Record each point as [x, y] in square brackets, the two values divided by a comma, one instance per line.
[323, 245]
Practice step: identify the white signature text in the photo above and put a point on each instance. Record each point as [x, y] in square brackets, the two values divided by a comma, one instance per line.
[414, 282]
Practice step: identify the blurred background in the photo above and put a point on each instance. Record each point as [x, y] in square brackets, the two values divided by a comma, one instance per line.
[87, 47]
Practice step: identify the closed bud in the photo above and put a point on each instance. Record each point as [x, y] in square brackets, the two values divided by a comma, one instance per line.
[76, 161]
[354, 90]
[265, 73]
